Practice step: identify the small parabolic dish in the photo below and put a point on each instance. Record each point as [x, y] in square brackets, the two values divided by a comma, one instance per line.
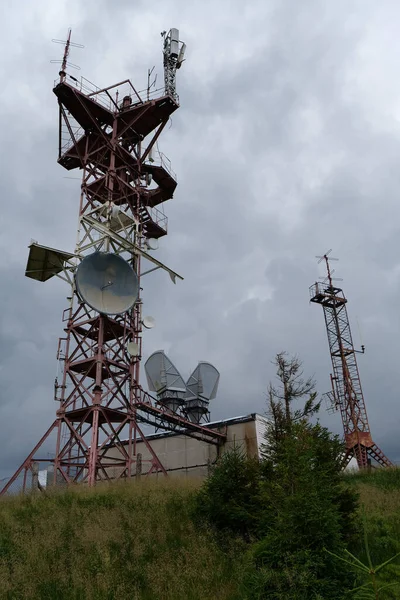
[152, 243]
[133, 348]
[148, 322]
[107, 283]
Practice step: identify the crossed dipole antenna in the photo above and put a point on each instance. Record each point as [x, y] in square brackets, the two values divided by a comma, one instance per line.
[64, 62]
[328, 278]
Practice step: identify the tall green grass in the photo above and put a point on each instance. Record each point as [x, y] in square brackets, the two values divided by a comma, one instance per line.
[137, 541]
[124, 541]
[383, 479]
[380, 495]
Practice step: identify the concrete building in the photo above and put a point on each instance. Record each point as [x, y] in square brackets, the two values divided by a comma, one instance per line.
[184, 456]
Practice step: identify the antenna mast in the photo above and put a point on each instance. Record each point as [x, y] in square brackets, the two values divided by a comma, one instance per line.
[63, 70]
[101, 404]
[173, 59]
[64, 62]
[347, 394]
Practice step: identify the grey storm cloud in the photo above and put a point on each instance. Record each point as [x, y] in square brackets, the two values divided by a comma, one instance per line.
[286, 144]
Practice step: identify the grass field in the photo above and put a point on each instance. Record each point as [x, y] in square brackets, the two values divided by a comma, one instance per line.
[137, 541]
[380, 495]
[123, 541]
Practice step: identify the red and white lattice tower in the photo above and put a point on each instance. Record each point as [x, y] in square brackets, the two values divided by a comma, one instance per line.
[110, 135]
[347, 395]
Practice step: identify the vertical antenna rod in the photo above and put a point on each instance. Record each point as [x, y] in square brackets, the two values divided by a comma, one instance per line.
[63, 70]
[346, 384]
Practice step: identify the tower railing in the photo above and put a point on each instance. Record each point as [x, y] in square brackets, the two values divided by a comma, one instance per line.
[159, 159]
[158, 217]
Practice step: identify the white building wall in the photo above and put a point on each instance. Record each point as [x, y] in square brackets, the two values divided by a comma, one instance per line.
[185, 456]
[261, 428]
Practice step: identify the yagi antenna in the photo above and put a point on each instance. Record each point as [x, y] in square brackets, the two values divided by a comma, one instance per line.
[67, 64]
[326, 256]
[326, 279]
[64, 62]
[74, 44]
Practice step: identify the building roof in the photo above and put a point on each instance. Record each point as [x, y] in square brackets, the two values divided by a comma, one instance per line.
[211, 425]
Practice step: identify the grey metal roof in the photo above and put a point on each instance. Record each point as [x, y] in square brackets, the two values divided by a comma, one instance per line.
[212, 425]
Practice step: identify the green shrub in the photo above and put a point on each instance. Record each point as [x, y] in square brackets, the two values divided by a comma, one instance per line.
[230, 499]
[310, 508]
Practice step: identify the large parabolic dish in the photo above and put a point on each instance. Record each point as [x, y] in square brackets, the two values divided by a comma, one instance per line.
[107, 283]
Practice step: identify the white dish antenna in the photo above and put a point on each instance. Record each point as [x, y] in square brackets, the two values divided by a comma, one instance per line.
[152, 243]
[148, 322]
[107, 283]
[133, 348]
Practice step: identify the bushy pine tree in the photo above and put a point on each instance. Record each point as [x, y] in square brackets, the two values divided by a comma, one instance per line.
[291, 506]
[310, 508]
[230, 498]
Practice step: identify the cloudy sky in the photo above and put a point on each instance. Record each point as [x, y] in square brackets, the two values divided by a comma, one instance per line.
[287, 143]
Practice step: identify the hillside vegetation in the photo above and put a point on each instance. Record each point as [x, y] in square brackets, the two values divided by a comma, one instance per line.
[290, 526]
[379, 495]
[114, 542]
[138, 541]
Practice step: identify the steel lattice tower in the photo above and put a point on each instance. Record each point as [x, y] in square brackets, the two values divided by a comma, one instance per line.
[347, 395]
[110, 135]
